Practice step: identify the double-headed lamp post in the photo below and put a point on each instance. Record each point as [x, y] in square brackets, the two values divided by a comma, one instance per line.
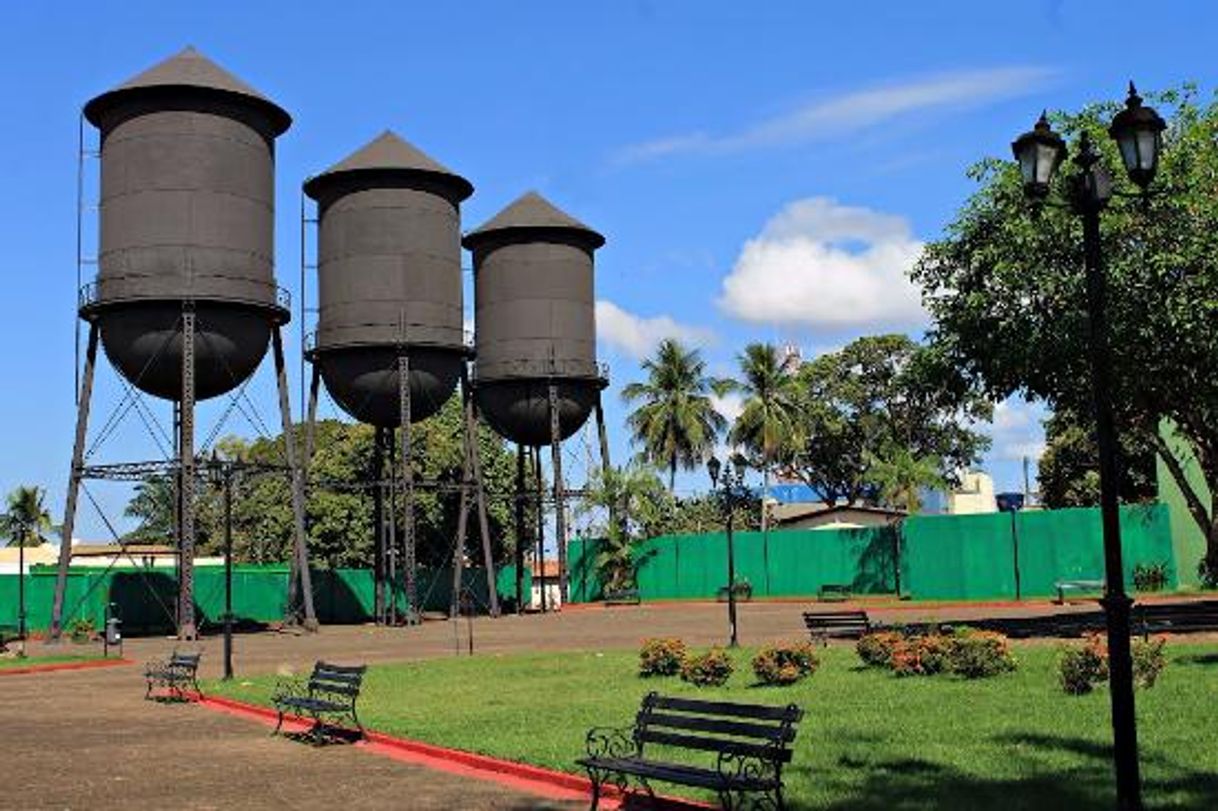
[1138, 132]
[728, 494]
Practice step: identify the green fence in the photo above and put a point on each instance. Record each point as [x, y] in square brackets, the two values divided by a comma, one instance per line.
[144, 598]
[949, 557]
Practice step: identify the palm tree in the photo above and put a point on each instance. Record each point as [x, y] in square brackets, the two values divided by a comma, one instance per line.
[26, 521]
[635, 500]
[675, 422]
[768, 421]
[900, 478]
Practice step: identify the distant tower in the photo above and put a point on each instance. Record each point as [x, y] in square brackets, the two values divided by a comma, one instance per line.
[537, 378]
[185, 301]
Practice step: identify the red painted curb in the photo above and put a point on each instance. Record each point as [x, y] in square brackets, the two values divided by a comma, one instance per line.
[48, 668]
[548, 783]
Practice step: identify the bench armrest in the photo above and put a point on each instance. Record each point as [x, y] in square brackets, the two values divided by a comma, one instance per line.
[613, 742]
[734, 767]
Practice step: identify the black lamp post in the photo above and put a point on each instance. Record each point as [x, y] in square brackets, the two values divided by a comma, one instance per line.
[21, 592]
[728, 495]
[1138, 132]
[222, 474]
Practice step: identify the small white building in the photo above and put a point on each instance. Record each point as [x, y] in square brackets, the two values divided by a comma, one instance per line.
[974, 495]
[545, 579]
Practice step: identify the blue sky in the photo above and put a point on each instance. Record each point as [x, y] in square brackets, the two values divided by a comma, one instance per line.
[761, 170]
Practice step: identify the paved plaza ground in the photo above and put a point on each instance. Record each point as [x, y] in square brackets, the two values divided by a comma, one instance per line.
[87, 739]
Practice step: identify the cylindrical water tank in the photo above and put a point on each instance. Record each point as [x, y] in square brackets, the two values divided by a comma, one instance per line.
[534, 320]
[389, 280]
[187, 217]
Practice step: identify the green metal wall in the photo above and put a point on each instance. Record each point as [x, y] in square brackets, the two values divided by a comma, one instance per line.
[144, 599]
[950, 557]
[1187, 538]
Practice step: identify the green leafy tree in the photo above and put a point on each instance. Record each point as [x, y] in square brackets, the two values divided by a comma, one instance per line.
[26, 522]
[900, 477]
[154, 506]
[769, 421]
[674, 422]
[1005, 286]
[877, 393]
[640, 507]
[1068, 472]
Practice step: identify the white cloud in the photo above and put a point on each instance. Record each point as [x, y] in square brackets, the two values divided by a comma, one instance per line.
[822, 265]
[638, 335]
[729, 405]
[846, 114]
[1017, 431]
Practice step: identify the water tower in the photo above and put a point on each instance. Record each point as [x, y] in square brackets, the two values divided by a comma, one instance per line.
[390, 341]
[536, 374]
[185, 301]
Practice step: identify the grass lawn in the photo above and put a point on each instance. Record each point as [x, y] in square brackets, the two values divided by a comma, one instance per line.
[868, 740]
[8, 662]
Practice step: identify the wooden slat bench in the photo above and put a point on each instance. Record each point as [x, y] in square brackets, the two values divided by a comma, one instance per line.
[174, 674]
[848, 624]
[622, 597]
[751, 744]
[833, 593]
[1063, 586]
[327, 696]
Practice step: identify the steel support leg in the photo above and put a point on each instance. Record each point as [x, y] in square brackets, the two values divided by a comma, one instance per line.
[78, 463]
[520, 532]
[186, 482]
[560, 518]
[299, 539]
[378, 524]
[454, 608]
[408, 563]
[541, 525]
[310, 444]
[488, 558]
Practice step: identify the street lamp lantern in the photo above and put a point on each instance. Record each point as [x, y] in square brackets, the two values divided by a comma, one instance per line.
[1138, 131]
[713, 466]
[1039, 152]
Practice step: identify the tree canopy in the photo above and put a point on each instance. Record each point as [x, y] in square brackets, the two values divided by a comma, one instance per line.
[26, 521]
[1005, 287]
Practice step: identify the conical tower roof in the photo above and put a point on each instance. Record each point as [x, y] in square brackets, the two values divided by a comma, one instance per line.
[187, 70]
[532, 212]
[389, 156]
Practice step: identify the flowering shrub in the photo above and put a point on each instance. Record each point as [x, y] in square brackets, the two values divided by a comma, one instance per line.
[710, 669]
[785, 663]
[1080, 669]
[1148, 661]
[661, 657]
[920, 655]
[875, 649]
[979, 654]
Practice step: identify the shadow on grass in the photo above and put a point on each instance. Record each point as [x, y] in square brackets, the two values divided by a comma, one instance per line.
[1198, 659]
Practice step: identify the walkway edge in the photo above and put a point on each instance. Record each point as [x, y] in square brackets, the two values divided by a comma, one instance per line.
[548, 783]
[53, 666]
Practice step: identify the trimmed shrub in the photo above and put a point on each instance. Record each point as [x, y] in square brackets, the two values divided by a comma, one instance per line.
[81, 630]
[920, 655]
[1148, 661]
[661, 657]
[710, 669]
[979, 654]
[1150, 576]
[785, 663]
[1080, 669]
[875, 649]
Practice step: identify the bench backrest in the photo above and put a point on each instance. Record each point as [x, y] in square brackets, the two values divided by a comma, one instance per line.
[748, 730]
[188, 661]
[343, 680]
[835, 619]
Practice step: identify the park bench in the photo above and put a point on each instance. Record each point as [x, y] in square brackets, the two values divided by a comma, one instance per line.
[1159, 618]
[750, 742]
[1063, 586]
[833, 593]
[327, 696]
[622, 597]
[823, 624]
[8, 633]
[174, 674]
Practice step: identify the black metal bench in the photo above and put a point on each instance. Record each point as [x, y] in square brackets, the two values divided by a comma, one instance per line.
[751, 744]
[622, 597]
[174, 674]
[823, 624]
[327, 696]
[833, 593]
[8, 633]
[1063, 586]
[1183, 617]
